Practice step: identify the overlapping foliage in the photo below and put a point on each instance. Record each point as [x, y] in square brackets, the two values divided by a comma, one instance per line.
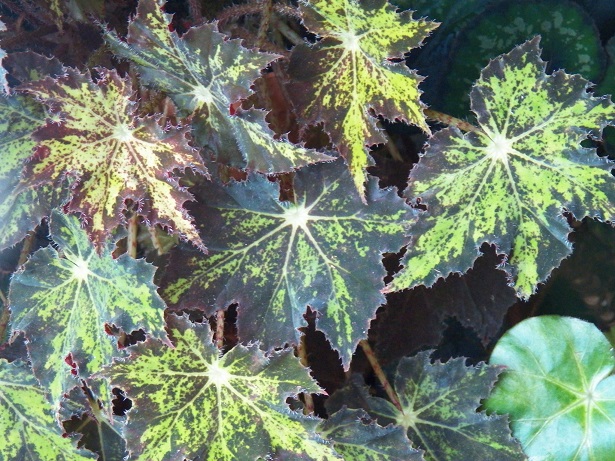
[154, 133]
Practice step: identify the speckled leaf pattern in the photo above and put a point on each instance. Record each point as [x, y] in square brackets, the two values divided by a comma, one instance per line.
[190, 401]
[22, 204]
[440, 402]
[566, 366]
[510, 185]
[27, 425]
[358, 439]
[276, 258]
[204, 72]
[61, 300]
[348, 73]
[115, 155]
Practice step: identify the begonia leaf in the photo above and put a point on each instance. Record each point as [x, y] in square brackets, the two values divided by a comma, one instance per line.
[204, 72]
[348, 74]
[27, 424]
[190, 401]
[558, 388]
[510, 182]
[62, 300]
[115, 155]
[276, 258]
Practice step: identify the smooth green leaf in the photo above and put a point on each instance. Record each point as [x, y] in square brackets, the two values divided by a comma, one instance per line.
[510, 184]
[27, 426]
[62, 300]
[276, 258]
[115, 155]
[190, 401]
[22, 203]
[566, 366]
[348, 74]
[439, 403]
[204, 72]
[357, 438]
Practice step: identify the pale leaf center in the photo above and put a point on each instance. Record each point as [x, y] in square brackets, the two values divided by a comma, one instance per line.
[202, 95]
[80, 269]
[123, 133]
[351, 41]
[297, 216]
[218, 375]
[499, 148]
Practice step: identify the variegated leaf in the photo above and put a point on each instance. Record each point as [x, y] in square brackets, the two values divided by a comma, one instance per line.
[114, 155]
[510, 182]
[27, 425]
[189, 401]
[62, 300]
[348, 74]
[276, 258]
[205, 73]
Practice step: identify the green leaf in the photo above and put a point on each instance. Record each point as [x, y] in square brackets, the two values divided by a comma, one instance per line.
[190, 401]
[510, 183]
[27, 425]
[358, 439]
[22, 204]
[276, 258]
[439, 403]
[566, 366]
[62, 301]
[204, 72]
[115, 155]
[570, 41]
[349, 73]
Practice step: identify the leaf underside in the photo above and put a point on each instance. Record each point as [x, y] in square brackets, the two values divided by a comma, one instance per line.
[189, 401]
[276, 258]
[566, 365]
[114, 155]
[62, 302]
[348, 74]
[204, 74]
[511, 183]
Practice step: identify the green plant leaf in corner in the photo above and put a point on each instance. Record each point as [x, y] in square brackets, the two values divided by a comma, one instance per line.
[511, 183]
[349, 73]
[566, 365]
[204, 72]
[190, 401]
[115, 155]
[357, 438]
[62, 300]
[27, 425]
[439, 403]
[276, 258]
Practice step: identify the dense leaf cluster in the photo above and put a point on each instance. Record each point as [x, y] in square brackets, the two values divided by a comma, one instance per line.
[198, 195]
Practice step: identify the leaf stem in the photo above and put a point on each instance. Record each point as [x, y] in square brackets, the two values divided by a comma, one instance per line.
[219, 335]
[265, 20]
[373, 361]
[26, 248]
[450, 120]
[153, 232]
[308, 400]
[4, 317]
[133, 230]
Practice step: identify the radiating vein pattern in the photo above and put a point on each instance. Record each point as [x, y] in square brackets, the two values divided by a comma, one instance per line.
[63, 300]
[190, 401]
[276, 258]
[511, 183]
[348, 73]
[114, 155]
[204, 74]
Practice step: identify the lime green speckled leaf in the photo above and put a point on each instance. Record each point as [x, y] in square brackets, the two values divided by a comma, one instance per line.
[62, 300]
[115, 155]
[22, 205]
[510, 184]
[348, 74]
[189, 401]
[276, 258]
[440, 402]
[27, 425]
[566, 366]
[358, 439]
[204, 72]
